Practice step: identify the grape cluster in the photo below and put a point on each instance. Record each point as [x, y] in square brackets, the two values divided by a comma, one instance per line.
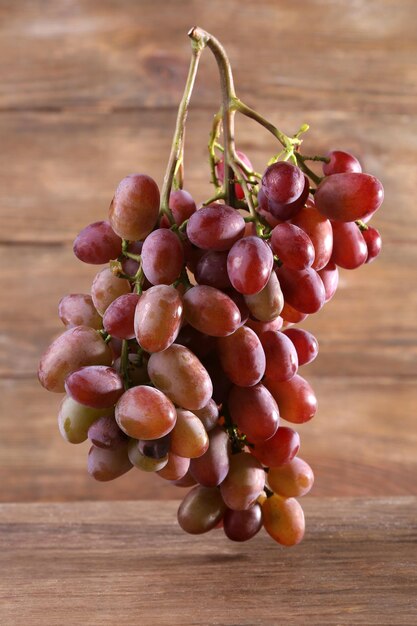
[183, 360]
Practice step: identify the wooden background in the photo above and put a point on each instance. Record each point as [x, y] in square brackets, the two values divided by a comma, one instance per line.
[88, 94]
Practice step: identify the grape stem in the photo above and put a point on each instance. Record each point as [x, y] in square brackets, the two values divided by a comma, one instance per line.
[175, 162]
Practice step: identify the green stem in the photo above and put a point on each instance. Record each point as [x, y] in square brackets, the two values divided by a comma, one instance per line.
[177, 147]
[285, 141]
[306, 169]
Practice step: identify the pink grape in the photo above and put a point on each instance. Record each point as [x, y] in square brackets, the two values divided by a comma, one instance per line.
[77, 309]
[180, 375]
[373, 243]
[105, 464]
[302, 289]
[279, 449]
[145, 413]
[293, 246]
[249, 265]
[105, 433]
[254, 411]
[319, 230]
[97, 386]
[119, 316]
[182, 205]
[106, 288]
[73, 349]
[291, 315]
[349, 196]
[212, 270]
[242, 357]
[296, 399]
[305, 344]
[97, 243]
[176, 468]
[330, 277]
[281, 356]
[211, 311]
[158, 318]
[135, 207]
[209, 415]
[212, 467]
[341, 162]
[263, 327]
[188, 437]
[162, 257]
[243, 483]
[201, 510]
[215, 227]
[349, 246]
[282, 183]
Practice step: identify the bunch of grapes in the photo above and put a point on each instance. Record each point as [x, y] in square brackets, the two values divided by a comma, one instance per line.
[183, 360]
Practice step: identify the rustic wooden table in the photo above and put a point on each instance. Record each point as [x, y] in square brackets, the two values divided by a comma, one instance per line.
[88, 93]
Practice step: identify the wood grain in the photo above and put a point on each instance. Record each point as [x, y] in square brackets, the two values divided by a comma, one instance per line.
[363, 441]
[118, 563]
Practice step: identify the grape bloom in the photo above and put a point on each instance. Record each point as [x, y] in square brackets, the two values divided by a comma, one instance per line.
[184, 359]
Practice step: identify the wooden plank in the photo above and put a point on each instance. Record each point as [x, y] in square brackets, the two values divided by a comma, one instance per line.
[361, 442]
[348, 56]
[357, 330]
[58, 172]
[114, 563]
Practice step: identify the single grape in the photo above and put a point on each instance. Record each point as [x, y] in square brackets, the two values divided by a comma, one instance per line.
[105, 464]
[373, 243]
[243, 483]
[263, 327]
[105, 433]
[341, 162]
[145, 413]
[302, 289]
[279, 449]
[77, 309]
[189, 437]
[180, 375]
[239, 193]
[349, 246]
[212, 270]
[254, 411]
[281, 356]
[158, 318]
[242, 357]
[212, 467]
[296, 399]
[97, 386]
[242, 525]
[75, 419]
[319, 230]
[291, 315]
[283, 519]
[182, 205]
[176, 467]
[305, 343]
[292, 480]
[249, 265]
[119, 316]
[201, 510]
[211, 311]
[267, 304]
[330, 277]
[135, 207]
[282, 183]
[143, 461]
[106, 288]
[162, 257]
[209, 415]
[73, 349]
[215, 227]
[288, 211]
[349, 196]
[97, 244]
[293, 246]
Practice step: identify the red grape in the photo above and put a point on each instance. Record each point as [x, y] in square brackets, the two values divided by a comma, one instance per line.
[349, 246]
[212, 467]
[212, 270]
[119, 317]
[279, 449]
[330, 277]
[105, 464]
[296, 399]
[293, 246]
[145, 413]
[373, 243]
[158, 318]
[282, 183]
[215, 227]
[319, 230]
[281, 356]
[291, 315]
[97, 243]
[211, 311]
[341, 162]
[244, 482]
[242, 357]
[182, 205]
[105, 433]
[209, 415]
[302, 289]
[349, 196]
[97, 386]
[305, 344]
[162, 257]
[201, 510]
[77, 309]
[176, 468]
[249, 265]
[242, 525]
[135, 207]
[254, 411]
